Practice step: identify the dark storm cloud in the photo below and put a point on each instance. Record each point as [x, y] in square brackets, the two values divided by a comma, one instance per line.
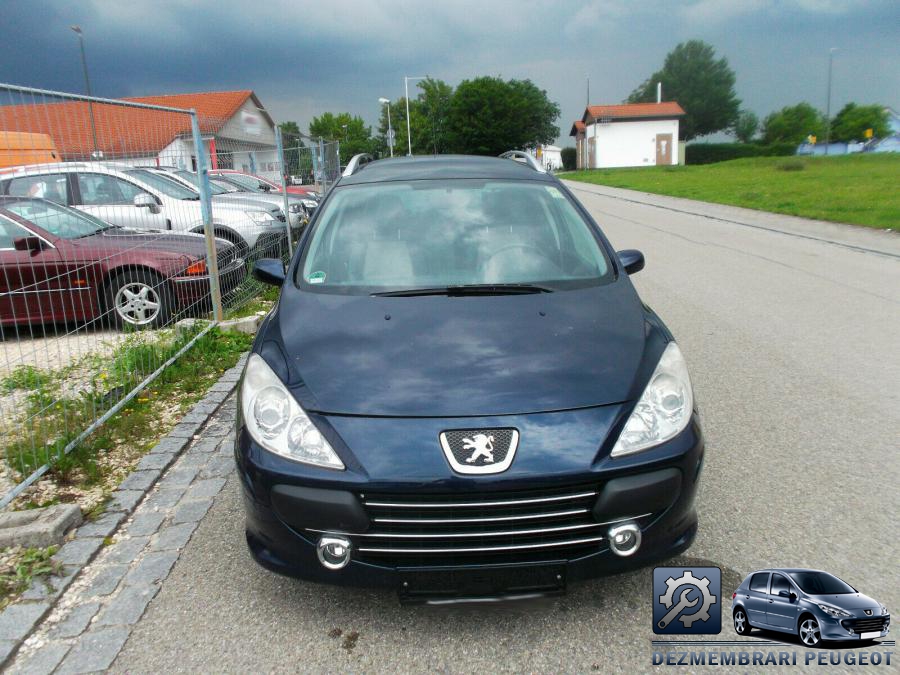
[303, 58]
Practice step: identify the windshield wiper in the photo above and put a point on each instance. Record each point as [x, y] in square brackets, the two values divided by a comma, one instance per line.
[468, 289]
[98, 231]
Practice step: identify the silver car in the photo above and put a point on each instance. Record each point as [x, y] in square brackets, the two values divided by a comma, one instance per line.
[813, 605]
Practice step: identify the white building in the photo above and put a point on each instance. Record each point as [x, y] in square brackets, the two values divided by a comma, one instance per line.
[629, 134]
[550, 156]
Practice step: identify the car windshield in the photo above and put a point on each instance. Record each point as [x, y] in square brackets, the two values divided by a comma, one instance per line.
[168, 186]
[820, 583]
[225, 185]
[194, 180]
[250, 183]
[433, 234]
[60, 221]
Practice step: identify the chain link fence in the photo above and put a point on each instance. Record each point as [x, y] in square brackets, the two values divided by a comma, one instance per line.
[118, 219]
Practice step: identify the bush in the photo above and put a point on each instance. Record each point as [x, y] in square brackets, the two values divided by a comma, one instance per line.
[709, 153]
[568, 159]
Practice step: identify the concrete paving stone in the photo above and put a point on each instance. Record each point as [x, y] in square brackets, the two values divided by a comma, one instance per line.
[140, 480]
[127, 606]
[78, 551]
[222, 386]
[39, 589]
[191, 511]
[164, 498]
[180, 475]
[202, 408]
[145, 522]
[6, 648]
[38, 528]
[75, 622]
[215, 397]
[218, 429]
[159, 460]
[125, 551]
[94, 651]
[203, 489]
[151, 569]
[194, 458]
[195, 417]
[205, 444]
[173, 537]
[104, 581]
[124, 500]
[104, 526]
[169, 444]
[16, 621]
[184, 430]
[218, 467]
[42, 661]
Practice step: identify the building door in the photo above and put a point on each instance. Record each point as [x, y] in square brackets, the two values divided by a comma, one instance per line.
[591, 162]
[663, 149]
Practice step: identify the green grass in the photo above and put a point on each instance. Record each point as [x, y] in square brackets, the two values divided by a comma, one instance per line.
[54, 422]
[29, 564]
[857, 189]
[23, 377]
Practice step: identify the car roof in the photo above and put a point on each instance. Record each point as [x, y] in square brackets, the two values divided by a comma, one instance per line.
[443, 167]
[786, 570]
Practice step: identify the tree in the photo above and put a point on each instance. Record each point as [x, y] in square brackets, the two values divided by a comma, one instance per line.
[569, 158]
[292, 143]
[851, 122]
[354, 136]
[702, 85]
[793, 124]
[746, 126]
[488, 116]
[428, 115]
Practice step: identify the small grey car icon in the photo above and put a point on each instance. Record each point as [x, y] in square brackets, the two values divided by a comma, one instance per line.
[814, 605]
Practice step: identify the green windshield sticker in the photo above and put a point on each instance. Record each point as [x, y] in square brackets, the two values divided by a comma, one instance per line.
[556, 194]
[317, 278]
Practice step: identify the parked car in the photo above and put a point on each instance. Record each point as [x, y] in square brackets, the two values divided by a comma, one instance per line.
[460, 392]
[60, 264]
[813, 605]
[254, 183]
[298, 211]
[147, 202]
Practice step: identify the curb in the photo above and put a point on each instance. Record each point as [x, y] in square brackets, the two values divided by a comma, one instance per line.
[20, 619]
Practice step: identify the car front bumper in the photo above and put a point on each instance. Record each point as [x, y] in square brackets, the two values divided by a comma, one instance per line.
[289, 506]
[194, 290]
[838, 630]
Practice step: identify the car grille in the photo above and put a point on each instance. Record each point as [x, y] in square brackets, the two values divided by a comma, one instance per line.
[867, 625]
[460, 528]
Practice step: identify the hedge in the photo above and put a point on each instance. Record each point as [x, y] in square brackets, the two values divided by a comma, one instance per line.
[709, 153]
[569, 159]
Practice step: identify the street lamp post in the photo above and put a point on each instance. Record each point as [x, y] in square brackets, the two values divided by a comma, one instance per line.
[387, 102]
[87, 83]
[828, 104]
[408, 132]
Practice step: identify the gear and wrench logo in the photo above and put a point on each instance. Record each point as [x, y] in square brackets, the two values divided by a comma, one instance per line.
[685, 596]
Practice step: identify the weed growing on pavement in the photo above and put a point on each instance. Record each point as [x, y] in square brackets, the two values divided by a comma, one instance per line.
[24, 377]
[20, 566]
[97, 464]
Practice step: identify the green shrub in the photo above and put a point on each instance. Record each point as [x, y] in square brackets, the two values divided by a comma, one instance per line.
[568, 159]
[710, 153]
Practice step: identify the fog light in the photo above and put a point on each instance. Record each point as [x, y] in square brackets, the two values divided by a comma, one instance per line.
[333, 551]
[625, 539]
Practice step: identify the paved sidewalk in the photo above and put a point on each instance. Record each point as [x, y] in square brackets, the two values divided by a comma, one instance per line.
[87, 629]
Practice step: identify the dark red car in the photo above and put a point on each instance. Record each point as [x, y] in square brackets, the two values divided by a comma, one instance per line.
[60, 264]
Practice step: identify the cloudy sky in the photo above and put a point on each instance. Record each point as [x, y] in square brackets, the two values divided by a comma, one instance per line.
[303, 58]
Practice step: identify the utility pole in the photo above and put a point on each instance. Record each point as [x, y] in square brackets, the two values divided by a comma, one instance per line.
[406, 80]
[828, 104]
[87, 83]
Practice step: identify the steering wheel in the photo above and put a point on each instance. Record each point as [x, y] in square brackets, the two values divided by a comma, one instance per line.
[525, 247]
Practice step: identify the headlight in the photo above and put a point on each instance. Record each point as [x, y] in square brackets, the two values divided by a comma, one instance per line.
[296, 207]
[310, 203]
[664, 408]
[260, 217]
[831, 610]
[277, 422]
[884, 611]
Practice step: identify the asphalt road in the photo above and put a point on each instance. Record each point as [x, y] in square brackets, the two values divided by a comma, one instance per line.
[790, 329]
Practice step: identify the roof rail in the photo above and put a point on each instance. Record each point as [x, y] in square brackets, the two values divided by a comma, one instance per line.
[516, 155]
[356, 163]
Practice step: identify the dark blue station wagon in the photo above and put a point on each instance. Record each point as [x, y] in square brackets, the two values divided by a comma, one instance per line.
[460, 394]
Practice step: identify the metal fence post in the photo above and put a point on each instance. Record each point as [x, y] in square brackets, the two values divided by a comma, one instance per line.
[284, 192]
[322, 164]
[212, 261]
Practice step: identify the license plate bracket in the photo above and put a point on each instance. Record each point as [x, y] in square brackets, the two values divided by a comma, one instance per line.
[480, 583]
[870, 635]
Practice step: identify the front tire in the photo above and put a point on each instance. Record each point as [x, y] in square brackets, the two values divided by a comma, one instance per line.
[741, 624]
[139, 298]
[809, 632]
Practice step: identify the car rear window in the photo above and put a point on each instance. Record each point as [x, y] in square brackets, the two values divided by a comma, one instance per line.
[436, 233]
[760, 582]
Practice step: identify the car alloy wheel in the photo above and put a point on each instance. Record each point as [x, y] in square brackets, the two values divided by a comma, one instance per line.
[139, 298]
[741, 625]
[809, 632]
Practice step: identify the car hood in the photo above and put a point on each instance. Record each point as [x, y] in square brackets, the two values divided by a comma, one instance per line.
[437, 356]
[848, 601]
[124, 239]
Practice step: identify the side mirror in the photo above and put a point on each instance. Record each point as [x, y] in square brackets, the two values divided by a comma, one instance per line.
[265, 187]
[787, 594]
[33, 244]
[269, 271]
[632, 260]
[145, 201]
